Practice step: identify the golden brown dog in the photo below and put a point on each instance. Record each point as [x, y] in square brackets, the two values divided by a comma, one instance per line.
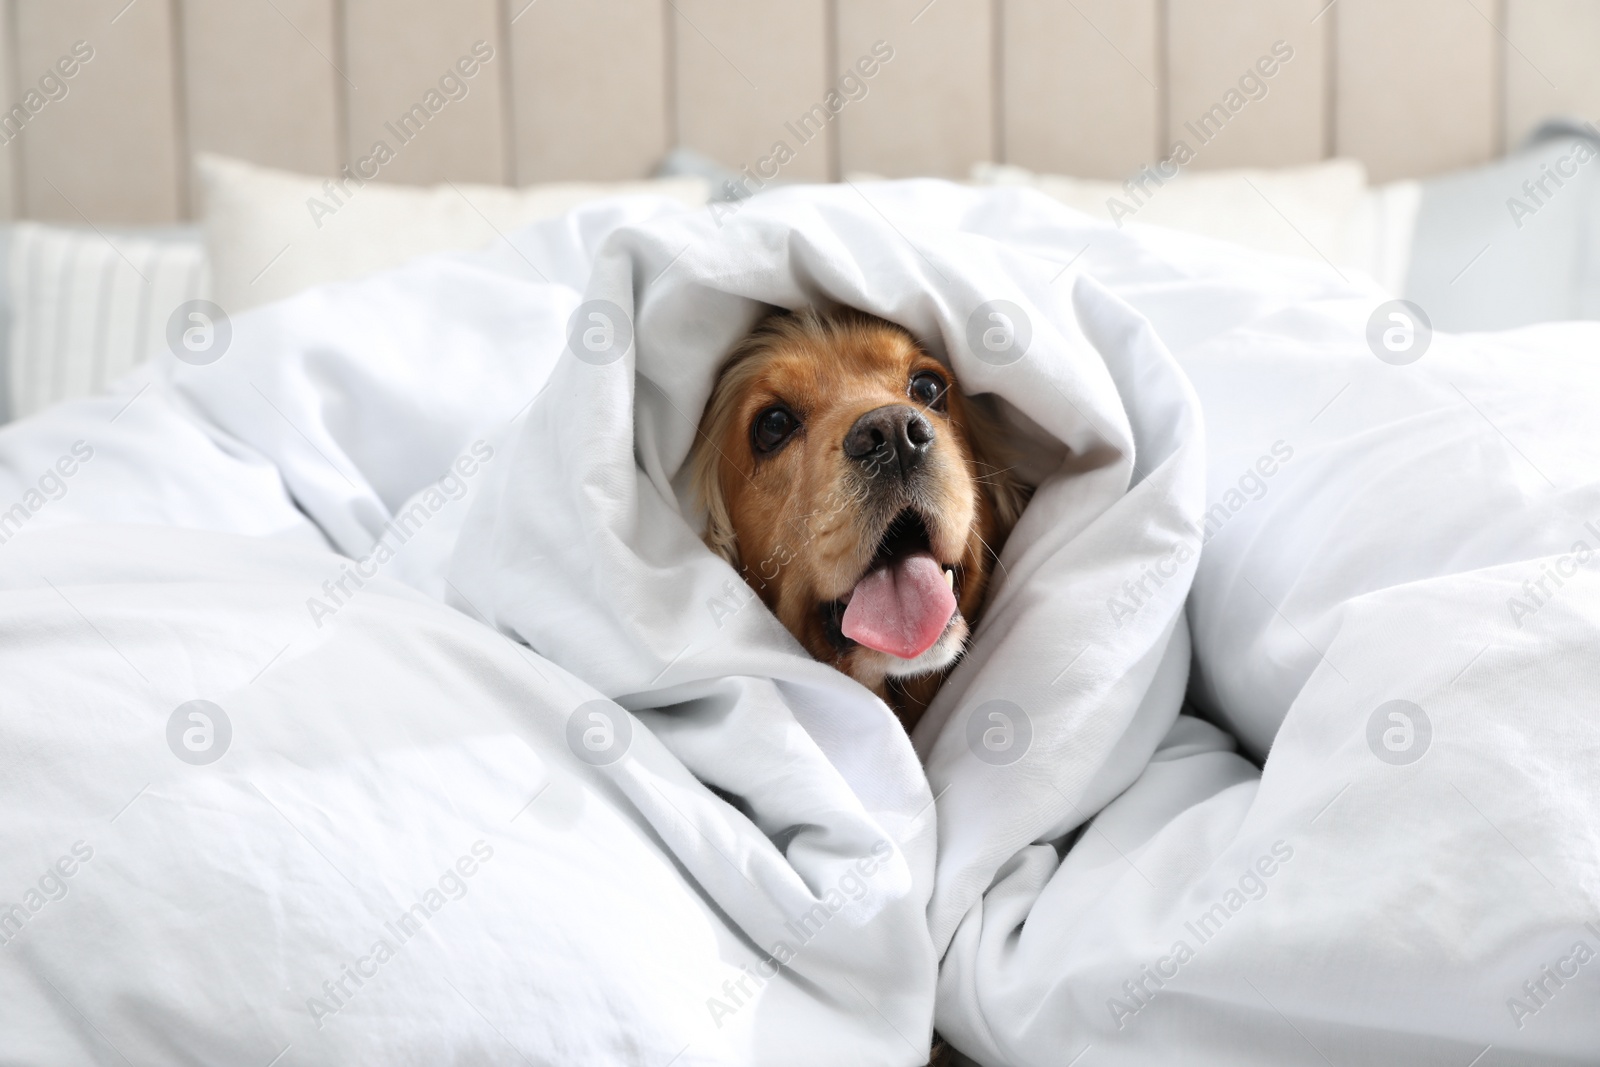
[857, 491]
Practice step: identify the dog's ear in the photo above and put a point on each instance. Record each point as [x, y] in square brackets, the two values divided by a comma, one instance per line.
[719, 535]
[996, 462]
[722, 408]
[706, 480]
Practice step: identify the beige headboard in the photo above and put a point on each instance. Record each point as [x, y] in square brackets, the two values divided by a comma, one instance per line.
[601, 88]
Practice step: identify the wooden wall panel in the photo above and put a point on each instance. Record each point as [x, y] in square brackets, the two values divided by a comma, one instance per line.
[398, 51]
[588, 88]
[745, 68]
[234, 51]
[110, 148]
[1213, 47]
[601, 89]
[10, 154]
[1550, 63]
[930, 110]
[1418, 85]
[1079, 86]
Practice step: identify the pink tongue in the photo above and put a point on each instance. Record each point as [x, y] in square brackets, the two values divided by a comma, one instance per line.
[901, 608]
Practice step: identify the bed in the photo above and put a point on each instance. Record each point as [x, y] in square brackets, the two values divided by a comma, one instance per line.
[337, 744]
[371, 697]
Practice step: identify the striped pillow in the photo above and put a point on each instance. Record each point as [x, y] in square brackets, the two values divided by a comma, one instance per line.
[86, 308]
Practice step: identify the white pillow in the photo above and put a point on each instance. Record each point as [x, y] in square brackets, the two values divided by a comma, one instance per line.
[1297, 211]
[88, 308]
[271, 234]
[1381, 232]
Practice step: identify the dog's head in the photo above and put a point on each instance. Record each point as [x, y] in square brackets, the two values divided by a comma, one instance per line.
[855, 488]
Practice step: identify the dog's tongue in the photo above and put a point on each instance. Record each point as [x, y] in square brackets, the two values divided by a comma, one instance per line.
[901, 608]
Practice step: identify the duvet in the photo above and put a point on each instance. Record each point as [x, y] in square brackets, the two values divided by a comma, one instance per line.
[370, 697]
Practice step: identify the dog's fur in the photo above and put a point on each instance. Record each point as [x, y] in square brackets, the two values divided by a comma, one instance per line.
[804, 521]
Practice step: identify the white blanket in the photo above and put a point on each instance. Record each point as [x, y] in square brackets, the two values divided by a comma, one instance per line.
[394, 835]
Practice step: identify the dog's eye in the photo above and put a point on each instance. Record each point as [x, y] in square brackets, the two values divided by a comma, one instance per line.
[929, 390]
[772, 428]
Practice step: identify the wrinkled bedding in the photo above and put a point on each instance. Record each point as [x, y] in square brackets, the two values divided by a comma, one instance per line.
[371, 697]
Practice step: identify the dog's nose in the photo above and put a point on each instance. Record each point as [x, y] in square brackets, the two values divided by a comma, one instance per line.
[893, 439]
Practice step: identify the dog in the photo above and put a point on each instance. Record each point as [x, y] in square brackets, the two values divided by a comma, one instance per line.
[861, 495]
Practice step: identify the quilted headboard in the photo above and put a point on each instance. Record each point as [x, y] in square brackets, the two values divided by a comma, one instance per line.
[566, 89]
